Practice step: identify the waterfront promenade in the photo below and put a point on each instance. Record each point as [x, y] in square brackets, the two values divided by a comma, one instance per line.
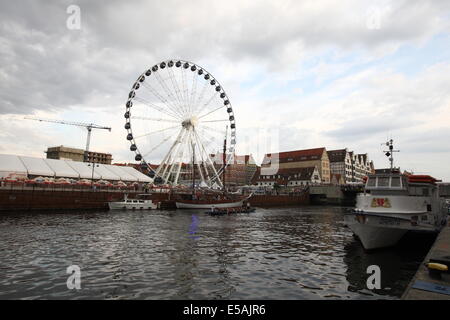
[440, 249]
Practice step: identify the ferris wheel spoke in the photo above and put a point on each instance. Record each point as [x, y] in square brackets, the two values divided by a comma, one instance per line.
[185, 90]
[176, 88]
[172, 158]
[207, 103]
[157, 131]
[202, 162]
[223, 120]
[208, 157]
[193, 93]
[154, 119]
[157, 108]
[157, 146]
[180, 163]
[169, 93]
[166, 157]
[200, 98]
[161, 98]
[171, 164]
[211, 130]
[211, 112]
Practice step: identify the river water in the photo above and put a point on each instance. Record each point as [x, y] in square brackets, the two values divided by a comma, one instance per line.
[285, 253]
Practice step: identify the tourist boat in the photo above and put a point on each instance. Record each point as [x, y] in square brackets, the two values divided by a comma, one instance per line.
[393, 204]
[132, 204]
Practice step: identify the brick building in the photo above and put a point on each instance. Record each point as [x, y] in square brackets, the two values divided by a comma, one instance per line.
[290, 177]
[308, 158]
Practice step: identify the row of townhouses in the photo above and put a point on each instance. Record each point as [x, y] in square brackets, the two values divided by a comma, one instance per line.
[313, 166]
[291, 168]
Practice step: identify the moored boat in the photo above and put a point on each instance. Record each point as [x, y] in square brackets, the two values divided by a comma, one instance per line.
[132, 204]
[206, 201]
[393, 204]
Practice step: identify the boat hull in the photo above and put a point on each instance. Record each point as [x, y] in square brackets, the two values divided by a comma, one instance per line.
[193, 205]
[132, 206]
[381, 231]
[373, 236]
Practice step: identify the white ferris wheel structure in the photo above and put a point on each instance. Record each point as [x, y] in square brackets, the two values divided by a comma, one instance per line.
[178, 116]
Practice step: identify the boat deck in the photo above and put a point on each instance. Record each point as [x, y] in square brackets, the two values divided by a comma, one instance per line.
[423, 286]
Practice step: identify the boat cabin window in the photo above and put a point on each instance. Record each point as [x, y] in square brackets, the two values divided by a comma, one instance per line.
[383, 181]
[372, 182]
[395, 182]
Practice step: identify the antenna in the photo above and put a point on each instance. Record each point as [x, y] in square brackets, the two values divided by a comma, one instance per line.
[390, 152]
[224, 157]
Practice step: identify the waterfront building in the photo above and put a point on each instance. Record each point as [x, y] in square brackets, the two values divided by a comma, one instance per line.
[240, 171]
[337, 179]
[341, 163]
[67, 153]
[308, 158]
[351, 166]
[289, 177]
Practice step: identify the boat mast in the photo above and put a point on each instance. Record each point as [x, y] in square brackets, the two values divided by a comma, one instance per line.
[390, 152]
[224, 158]
[193, 167]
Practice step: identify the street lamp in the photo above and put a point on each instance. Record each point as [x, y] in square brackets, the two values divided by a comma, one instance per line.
[93, 167]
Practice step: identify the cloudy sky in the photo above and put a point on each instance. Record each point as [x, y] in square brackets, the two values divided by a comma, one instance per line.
[299, 74]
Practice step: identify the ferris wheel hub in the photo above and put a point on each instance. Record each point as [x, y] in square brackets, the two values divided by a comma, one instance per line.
[190, 122]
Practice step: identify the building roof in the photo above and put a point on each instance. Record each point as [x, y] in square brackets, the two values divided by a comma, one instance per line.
[11, 164]
[294, 156]
[363, 157]
[337, 155]
[291, 173]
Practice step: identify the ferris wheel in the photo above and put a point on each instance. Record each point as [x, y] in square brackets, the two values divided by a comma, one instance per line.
[178, 116]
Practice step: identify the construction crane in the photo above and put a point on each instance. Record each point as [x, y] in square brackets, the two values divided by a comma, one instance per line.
[88, 126]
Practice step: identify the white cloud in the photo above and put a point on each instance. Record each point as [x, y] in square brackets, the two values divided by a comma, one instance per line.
[264, 53]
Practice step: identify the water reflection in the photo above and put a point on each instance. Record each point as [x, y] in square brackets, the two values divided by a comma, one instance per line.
[295, 253]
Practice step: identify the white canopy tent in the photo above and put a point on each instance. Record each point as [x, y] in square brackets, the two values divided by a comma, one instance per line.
[83, 169]
[139, 175]
[37, 167]
[123, 174]
[105, 173]
[11, 165]
[62, 169]
[29, 166]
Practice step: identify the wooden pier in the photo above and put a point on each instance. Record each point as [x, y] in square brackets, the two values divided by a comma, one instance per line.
[425, 287]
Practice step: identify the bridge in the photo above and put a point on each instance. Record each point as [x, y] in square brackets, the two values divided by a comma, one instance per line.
[335, 194]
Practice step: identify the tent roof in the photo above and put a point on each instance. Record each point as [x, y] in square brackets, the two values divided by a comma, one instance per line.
[137, 174]
[11, 164]
[61, 168]
[83, 169]
[37, 167]
[123, 174]
[106, 174]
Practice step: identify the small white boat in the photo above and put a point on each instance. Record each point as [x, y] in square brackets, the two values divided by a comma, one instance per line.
[132, 204]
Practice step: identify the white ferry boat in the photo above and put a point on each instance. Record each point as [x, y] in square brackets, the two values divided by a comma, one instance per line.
[393, 204]
[132, 204]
